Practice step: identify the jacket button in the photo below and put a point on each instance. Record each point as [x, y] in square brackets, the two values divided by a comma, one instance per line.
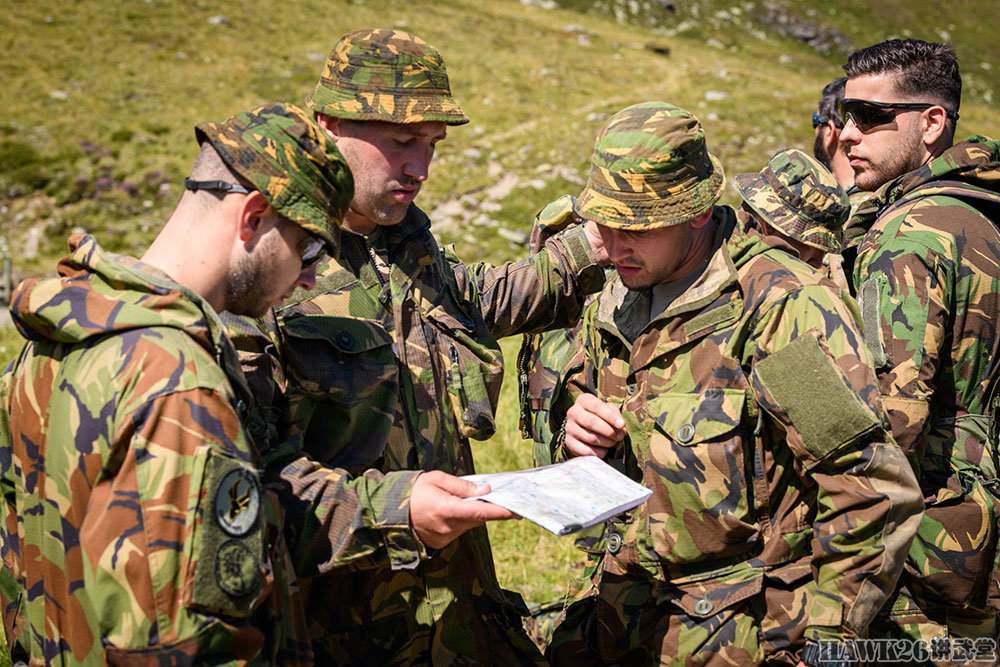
[703, 606]
[614, 542]
[630, 387]
[344, 339]
[685, 434]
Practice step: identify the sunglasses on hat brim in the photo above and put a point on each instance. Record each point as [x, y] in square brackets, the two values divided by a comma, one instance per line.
[868, 114]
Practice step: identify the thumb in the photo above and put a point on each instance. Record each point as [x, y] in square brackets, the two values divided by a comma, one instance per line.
[461, 488]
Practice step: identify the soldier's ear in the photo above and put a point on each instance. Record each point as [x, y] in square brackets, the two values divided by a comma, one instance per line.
[702, 219]
[933, 124]
[330, 124]
[831, 138]
[250, 221]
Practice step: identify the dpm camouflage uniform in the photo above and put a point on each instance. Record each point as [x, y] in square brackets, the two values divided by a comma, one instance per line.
[135, 529]
[765, 511]
[135, 523]
[929, 288]
[392, 363]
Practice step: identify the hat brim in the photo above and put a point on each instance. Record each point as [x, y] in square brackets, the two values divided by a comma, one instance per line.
[417, 106]
[753, 188]
[296, 209]
[649, 210]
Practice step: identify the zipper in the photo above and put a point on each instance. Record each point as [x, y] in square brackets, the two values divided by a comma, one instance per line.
[384, 296]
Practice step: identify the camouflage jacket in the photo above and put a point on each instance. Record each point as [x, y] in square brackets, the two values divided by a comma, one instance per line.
[719, 394]
[929, 288]
[133, 517]
[392, 362]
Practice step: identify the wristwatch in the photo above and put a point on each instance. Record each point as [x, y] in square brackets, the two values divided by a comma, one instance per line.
[813, 657]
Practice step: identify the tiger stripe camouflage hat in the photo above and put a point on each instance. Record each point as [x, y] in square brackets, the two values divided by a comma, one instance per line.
[285, 155]
[800, 198]
[386, 75]
[650, 169]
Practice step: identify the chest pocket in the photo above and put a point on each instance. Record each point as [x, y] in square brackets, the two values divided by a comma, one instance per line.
[696, 461]
[345, 386]
[473, 367]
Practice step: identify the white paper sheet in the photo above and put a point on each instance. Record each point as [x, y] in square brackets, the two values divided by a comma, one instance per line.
[565, 497]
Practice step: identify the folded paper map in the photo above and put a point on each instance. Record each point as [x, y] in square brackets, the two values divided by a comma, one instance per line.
[565, 497]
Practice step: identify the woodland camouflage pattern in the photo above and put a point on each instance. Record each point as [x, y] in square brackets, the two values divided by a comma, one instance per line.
[665, 179]
[133, 520]
[769, 520]
[386, 75]
[799, 197]
[392, 362]
[291, 161]
[929, 288]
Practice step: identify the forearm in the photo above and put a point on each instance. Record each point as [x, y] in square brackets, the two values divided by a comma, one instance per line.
[335, 521]
[545, 291]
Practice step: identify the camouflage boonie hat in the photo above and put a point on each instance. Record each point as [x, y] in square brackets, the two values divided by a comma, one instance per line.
[800, 198]
[289, 159]
[650, 168]
[386, 75]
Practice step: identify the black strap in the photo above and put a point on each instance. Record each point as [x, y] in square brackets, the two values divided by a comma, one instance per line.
[221, 186]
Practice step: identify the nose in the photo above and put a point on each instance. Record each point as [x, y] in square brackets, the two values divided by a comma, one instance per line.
[850, 134]
[418, 163]
[307, 278]
[616, 245]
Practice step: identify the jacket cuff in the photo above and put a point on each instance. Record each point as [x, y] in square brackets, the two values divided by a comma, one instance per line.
[580, 258]
[388, 504]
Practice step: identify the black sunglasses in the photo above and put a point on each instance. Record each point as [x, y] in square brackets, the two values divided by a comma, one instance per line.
[311, 250]
[820, 119]
[868, 114]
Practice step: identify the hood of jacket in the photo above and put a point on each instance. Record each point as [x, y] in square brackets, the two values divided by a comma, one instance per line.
[99, 292]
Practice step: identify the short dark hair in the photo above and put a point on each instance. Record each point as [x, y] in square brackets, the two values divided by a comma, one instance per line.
[924, 69]
[829, 100]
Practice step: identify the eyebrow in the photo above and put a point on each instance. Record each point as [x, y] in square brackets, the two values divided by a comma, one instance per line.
[422, 135]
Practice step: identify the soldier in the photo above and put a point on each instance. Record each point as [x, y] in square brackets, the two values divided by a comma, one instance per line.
[392, 361]
[797, 199]
[135, 522]
[827, 123]
[929, 284]
[771, 522]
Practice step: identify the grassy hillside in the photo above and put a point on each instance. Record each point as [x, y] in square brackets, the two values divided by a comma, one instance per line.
[100, 99]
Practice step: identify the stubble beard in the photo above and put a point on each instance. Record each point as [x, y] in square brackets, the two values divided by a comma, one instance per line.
[819, 149]
[384, 211]
[900, 159]
[246, 287]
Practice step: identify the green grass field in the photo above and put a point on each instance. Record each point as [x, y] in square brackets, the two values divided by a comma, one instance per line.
[100, 98]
